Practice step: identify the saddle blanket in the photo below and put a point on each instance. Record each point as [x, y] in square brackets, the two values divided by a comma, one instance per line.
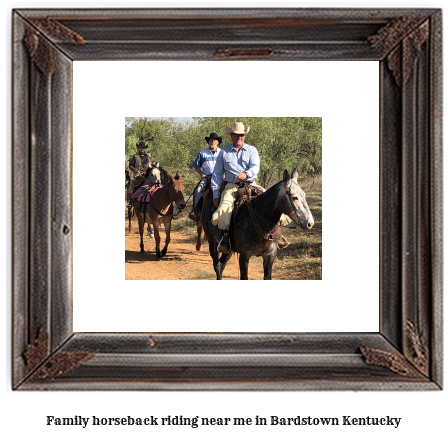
[145, 193]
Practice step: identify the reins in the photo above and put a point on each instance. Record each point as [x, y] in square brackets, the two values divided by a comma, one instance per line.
[293, 207]
[268, 237]
[186, 202]
[170, 209]
[192, 193]
[272, 223]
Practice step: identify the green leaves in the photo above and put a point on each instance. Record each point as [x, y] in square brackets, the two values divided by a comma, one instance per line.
[282, 142]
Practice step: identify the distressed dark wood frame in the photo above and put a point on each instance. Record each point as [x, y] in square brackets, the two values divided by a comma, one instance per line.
[406, 353]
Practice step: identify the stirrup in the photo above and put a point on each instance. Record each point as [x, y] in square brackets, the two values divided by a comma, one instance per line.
[194, 216]
[282, 243]
[224, 247]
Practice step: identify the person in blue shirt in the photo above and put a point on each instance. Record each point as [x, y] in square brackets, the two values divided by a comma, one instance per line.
[205, 165]
[237, 162]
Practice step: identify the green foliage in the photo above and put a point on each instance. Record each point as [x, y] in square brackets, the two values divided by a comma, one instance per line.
[282, 142]
[155, 133]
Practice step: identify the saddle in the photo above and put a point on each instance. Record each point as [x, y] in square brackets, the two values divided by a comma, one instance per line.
[245, 193]
[145, 193]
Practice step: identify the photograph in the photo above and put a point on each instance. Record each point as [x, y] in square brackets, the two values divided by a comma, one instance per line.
[216, 198]
[69, 98]
[242, 123]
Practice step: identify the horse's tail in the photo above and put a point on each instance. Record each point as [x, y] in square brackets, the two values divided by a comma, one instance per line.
[200, 229]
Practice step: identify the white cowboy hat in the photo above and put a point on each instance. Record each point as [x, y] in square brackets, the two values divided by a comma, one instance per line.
[237, 128]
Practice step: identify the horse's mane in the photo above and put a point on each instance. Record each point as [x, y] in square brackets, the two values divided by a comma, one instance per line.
[275, 186]
[164, 176]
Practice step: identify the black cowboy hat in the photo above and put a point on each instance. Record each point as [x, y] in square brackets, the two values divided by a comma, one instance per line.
[214, 136]
[141, 145]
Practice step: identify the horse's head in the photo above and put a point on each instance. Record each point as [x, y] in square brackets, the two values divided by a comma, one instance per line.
[294, 204]
[152, 174]
[176, 190]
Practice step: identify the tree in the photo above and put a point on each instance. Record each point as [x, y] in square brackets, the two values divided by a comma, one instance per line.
[282, 142]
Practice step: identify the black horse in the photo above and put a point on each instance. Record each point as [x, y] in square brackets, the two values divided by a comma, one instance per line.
[257, 233]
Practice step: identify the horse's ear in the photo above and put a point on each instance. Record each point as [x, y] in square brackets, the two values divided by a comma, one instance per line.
[177, 175]
[294, 174]
[286, 179]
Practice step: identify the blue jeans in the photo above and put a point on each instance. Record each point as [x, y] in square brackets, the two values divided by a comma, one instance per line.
[200, 190]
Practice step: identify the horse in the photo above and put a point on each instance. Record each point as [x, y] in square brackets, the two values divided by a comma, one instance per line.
[199, 225]
[200, 231]
[127, 178]
[152, 175]
[159, 210]
[255, 227]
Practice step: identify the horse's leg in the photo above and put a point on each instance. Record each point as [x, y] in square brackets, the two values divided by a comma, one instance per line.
[141, 225]
[223, 259]
[214, 254]
[167, 237]
[150, 233]
[129, 218]
[129, 207]
[199, 239]
[268, 261]
[157, 239]
[244, 266]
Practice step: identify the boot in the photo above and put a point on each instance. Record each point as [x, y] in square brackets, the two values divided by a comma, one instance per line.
[282, 243]
[194, 215]
[224, 244]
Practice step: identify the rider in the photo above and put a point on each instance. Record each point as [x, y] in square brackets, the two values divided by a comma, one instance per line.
[204, 165]
[138, 164]
[237, 162]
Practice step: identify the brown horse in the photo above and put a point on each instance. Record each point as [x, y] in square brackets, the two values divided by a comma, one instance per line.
[159, 210]
[153, 174]
[206, 198]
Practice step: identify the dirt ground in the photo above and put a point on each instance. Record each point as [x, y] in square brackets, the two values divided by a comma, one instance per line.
[182, 261]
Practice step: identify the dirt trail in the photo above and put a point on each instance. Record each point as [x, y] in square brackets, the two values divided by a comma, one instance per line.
[182, 261]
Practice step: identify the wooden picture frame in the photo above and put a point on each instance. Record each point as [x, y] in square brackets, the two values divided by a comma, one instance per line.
[406, 353]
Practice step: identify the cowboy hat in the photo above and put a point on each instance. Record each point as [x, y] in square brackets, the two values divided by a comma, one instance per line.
[237, 128]
[214, 136]
[141, 145]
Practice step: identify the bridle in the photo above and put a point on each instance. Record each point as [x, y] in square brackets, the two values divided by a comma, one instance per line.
[170, 209]
[180, 196]
[267, 237]
[291, 201]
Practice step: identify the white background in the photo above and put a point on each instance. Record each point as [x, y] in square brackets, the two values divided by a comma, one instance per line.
[347, 100]
[423, 414]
